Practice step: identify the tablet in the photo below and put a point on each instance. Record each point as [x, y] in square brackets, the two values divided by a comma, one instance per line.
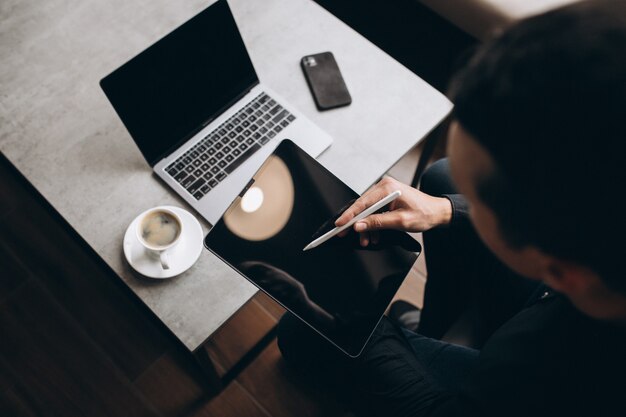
[339, 289]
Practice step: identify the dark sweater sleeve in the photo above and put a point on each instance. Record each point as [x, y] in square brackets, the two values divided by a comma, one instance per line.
[460, 208]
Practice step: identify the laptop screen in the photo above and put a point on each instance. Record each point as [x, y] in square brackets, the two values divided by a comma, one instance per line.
[339, 288]
[172, 89]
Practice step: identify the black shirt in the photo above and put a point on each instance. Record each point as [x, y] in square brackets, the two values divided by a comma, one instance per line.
[548, 360]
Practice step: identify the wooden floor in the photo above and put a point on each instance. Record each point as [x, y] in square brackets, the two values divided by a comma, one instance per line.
[75, 341]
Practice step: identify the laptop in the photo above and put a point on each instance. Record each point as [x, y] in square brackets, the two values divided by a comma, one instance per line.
[339, 288]
[194, 106]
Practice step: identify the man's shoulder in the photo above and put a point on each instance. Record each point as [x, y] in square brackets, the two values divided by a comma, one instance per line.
[549, 358]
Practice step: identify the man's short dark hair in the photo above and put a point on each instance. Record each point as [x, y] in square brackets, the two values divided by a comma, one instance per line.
[547, 100]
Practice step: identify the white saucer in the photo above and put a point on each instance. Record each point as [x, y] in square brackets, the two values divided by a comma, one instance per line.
[181, 257]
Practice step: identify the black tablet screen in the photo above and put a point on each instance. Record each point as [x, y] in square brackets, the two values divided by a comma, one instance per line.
[338, 288]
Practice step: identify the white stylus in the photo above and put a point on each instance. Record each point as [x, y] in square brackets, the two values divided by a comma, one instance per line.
[382, 203]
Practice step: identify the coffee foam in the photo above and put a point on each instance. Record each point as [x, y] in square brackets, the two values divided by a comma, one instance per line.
[159, 229]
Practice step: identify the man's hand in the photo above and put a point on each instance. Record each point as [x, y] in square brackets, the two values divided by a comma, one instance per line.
[413, 211]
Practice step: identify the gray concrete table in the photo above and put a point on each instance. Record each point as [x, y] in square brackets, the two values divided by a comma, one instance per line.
[59, 130]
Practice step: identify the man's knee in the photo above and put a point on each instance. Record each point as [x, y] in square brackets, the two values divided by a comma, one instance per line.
[436, 179]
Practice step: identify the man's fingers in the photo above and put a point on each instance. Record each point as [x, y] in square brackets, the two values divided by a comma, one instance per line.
[368, 199]
[388, 220]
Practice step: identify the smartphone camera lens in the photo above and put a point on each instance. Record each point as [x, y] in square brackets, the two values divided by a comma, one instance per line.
[309, 61]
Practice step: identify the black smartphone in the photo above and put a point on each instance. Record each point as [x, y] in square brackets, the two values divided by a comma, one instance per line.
[325, 81]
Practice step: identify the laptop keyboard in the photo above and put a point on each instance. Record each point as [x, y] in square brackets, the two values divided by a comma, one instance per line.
[213, 158]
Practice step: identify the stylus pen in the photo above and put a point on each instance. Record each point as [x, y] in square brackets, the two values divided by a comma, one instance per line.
[382, 203]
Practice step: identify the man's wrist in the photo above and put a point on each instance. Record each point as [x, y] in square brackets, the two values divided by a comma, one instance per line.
[444, 212]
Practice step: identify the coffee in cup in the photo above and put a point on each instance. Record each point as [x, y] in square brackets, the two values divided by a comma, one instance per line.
[158, 230]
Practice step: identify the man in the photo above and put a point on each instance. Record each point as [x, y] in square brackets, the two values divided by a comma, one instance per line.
[536, 151]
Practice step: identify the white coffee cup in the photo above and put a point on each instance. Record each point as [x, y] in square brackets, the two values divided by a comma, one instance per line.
[158, 230]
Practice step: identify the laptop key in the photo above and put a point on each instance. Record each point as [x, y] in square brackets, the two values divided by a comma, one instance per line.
[198, 195]
[284, 123]
[242, 147]
[219, 155]
[236, 152]
[215, 170]
[232, 144]
[276, 109]
[247, 154]
[254, 127]
[277, 128]
[232, 135]
[205, 188]
[291, 117]
[207, 176]
[212, 151]
[280, 116]
[221, 164]
[212, 161]
[188, 181]
[213, 182]
[260, 122]
[218, 146]
[204, 157]
[226, 149]
[186, 160]
[256, 135]
[204, 167]
[264, 140]
[195, 186]
[271, 134]
[180, 176]
[249, 141]
[224, 139]
[198, 172]
[197, 162]
[189, 168]
[229, 158]
[220, 176]
[246, 133]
